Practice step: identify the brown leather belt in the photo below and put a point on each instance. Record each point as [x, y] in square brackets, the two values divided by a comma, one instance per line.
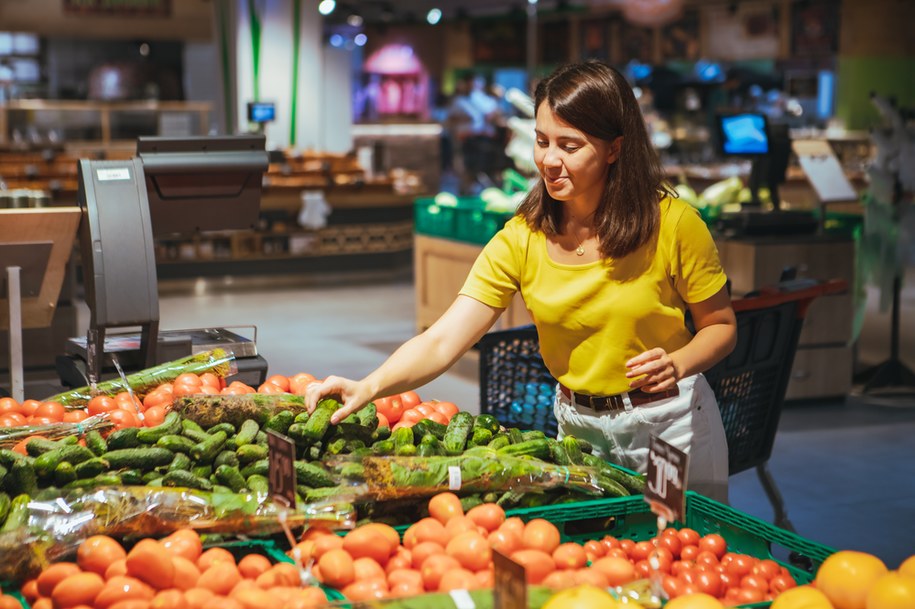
[610, 403]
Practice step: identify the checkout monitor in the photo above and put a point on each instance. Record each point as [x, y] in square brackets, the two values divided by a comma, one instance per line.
[203, 183]
[743, 134]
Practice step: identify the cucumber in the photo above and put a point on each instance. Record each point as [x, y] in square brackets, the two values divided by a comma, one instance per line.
[479, 437]
[634, 484]
[64, 473]
[572, 448]
[311, 475]
[367, 416]
[429, 446]
[408, 450]
[558, 453]
[230, 477]
[586, 446]
[202, 471]
[259, 485]
[46, 463]
[319, 420]
[471, 501]
[456, 435]
[297, 432]
[3, 473]
[18, 515]
[171, 425]
[315, 452]
[219, 488]
[280, 422]
[402, 437]
[261, 438]
[8, 457]
[336, 447]
[514, 434]
[383, 448]
[180, 478]
[145, 478]
[258, 468]
[123, 438]
[181, 461]
[315, 495]
[96, 443]
[246, 433]
[611, 487]
[487, 421]
[39, 446]
[498, 441]
[102, 480]
[226, 457]
[134, 477]
[534, 434]
[426, 426]
[4, 506]
[140, 458]
[206, 451]
[381, 433]
[302, 417]
[228, 428]
[91, 468]
[352, 471]
[251, 452]
[192, 430]
[176, 443]
[21, 479]
[539, 449]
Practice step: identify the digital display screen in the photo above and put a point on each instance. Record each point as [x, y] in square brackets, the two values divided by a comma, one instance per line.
[261, 112]
[744, 134]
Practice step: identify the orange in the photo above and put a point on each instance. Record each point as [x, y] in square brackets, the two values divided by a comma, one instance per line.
[802, 597]
[696, 600]
[908, 566]
[846, 576]
[892, 591]
[584, 597]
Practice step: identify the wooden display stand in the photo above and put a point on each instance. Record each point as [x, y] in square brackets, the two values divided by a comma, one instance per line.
[35, 245]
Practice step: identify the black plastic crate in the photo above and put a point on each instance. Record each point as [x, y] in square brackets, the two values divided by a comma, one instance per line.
[515, 385]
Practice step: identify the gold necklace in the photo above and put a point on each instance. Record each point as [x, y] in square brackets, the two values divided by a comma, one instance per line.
[580, 250]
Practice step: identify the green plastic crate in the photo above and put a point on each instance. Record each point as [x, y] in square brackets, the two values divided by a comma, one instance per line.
[630, 517]
[468, 221]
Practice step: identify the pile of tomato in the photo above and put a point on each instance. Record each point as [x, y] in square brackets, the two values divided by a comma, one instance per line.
[407, 408]
[172, 573]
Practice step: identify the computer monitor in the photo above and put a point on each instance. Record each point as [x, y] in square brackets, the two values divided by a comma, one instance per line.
[203, 183]
[744, 134]
[261, 112]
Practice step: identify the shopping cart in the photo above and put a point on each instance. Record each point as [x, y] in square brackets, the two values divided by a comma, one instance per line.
[750, 383]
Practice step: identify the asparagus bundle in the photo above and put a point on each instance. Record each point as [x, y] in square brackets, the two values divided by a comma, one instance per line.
[217, 361]
[477, 470]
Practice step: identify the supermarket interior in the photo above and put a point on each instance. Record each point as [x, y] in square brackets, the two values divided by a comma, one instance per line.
[241, 197]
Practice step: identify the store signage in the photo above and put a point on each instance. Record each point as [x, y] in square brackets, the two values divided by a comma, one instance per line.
[665, 486]
[146, 8]
[281, 471]
[510, 584]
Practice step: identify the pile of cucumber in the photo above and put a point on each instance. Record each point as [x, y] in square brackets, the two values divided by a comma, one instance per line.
[230, 458]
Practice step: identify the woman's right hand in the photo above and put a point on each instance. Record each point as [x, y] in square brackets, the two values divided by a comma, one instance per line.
[352, 394]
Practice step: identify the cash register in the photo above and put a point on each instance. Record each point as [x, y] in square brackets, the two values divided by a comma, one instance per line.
[173, 186]
[752, 135]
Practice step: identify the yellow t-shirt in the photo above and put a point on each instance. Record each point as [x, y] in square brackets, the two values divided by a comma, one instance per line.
[592, 318]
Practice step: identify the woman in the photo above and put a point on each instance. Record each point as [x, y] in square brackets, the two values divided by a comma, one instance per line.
[608, 264]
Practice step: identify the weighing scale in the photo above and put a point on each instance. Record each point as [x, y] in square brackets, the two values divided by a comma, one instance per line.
[173, 187]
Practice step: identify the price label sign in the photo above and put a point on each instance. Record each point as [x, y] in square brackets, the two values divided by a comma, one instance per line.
[281, 474]
[510, 583]
[665, 486]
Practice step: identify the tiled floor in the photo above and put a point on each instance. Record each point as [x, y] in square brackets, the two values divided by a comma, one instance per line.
[846, 469]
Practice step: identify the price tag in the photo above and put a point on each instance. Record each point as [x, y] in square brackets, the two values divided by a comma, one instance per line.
[666, 480]
[454, 478]
[510, 583]
[281, 474]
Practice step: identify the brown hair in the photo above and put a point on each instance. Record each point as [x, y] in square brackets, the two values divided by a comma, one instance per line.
[596, 99]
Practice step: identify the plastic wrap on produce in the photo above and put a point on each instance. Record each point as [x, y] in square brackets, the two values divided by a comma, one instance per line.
[53, 527]
[209, 410]
[10, 436]
[218, 361]
[477, 470]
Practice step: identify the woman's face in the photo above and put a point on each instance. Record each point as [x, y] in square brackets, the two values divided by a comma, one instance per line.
[573, 164]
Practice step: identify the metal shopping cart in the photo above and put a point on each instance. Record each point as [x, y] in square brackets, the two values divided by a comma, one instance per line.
[750, 383]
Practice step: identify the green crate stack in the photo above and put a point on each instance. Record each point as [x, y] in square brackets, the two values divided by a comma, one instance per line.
[468, 221]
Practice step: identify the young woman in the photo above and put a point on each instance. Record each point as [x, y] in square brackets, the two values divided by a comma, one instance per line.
[608, 264]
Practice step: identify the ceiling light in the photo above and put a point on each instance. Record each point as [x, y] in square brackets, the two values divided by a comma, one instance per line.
[336, 41]
[326, 7]
[354, 20]
[360, 40]
[434, 16]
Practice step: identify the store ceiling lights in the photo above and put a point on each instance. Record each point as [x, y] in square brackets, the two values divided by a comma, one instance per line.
[434, 16]
[354, 20]
[326, 7]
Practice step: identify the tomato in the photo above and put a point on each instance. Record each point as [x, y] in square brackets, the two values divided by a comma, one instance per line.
[280, 381]
[689, 552]
[12, 419]
[449, 409]
[29, 407]
[745, 596]
[75, 416]
[410, 399]
[714, 543]
[52, 410]
[707, 558]
[755, 581]
[741, 565]
[641, 550]
[438, 418]
[425, 409]
[100, 404]
[391, 407]
[673, 586]
[411, 417]
[208, 378]
[123, 418]
[709, 582]
[9, 405]
[780, 583]
[671, 542]
[154, 416]
[767, 568]
[688, 537]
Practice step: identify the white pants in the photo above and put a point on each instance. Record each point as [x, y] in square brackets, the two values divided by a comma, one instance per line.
[690, 421]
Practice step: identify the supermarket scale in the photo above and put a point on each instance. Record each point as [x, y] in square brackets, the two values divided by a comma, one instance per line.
[174, 186]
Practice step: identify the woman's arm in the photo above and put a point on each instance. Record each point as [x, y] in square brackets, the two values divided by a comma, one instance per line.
[716, 336]
[416, 362]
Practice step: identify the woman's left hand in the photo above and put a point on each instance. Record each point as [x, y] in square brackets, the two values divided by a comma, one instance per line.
[656, 369]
